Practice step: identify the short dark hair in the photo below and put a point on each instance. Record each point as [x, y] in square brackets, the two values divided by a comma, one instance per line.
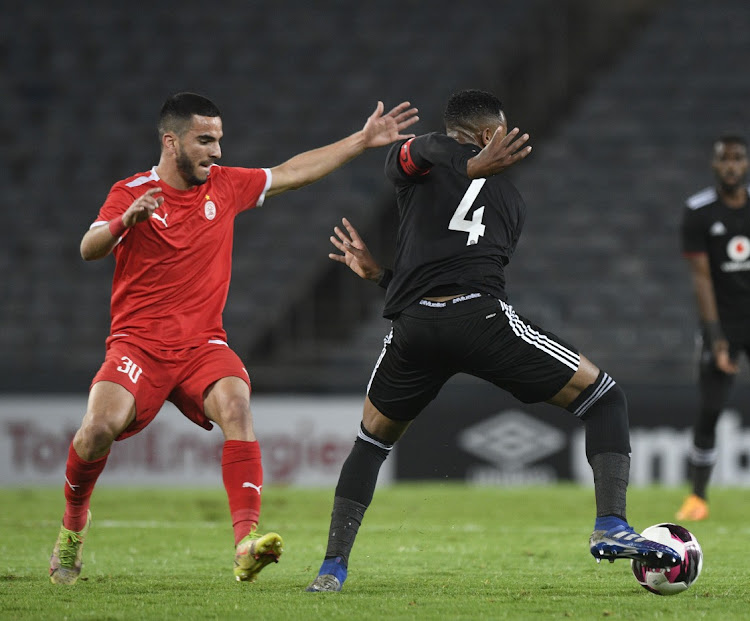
[179, 109]
[731, 139]
[470, 106]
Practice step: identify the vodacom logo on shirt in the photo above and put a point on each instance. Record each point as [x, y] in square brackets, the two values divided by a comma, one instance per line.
[209, 209]
[738, 250]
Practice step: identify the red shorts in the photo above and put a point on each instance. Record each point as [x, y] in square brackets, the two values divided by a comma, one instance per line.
[154, 376]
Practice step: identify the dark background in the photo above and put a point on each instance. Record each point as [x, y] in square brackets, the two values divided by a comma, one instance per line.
[622, 99]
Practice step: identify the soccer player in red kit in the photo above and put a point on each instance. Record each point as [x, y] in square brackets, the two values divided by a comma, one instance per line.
[170, 230]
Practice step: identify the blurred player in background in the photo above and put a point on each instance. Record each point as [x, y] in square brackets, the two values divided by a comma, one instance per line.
[170, 230]
[459, 225]
[716, 244]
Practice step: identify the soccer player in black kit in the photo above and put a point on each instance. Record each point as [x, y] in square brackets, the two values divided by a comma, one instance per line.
[460, 222]
[716, 244]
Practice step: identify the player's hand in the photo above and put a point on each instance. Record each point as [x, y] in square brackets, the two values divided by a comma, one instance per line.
[356, 254]
[142, 207]
[499, 153]
[723, 360]
[382, 129]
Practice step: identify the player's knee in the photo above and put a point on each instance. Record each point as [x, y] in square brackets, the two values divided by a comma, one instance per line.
[227, 403]
[95, 436]
[606, 421]
[236, 408]
[379, 444]
[234, 417]
[379, 426]
[703, 439]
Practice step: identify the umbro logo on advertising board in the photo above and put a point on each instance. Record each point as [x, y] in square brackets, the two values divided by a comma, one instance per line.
[511, 439]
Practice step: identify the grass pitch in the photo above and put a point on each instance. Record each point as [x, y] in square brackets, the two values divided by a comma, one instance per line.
[425, 551]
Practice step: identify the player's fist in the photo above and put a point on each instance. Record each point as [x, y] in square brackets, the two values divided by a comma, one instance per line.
[142, 207]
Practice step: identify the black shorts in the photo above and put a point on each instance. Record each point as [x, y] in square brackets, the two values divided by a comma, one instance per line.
[739, 343]
[475, 334]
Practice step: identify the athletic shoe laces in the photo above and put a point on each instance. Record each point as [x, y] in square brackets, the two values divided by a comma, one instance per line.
[69, 546]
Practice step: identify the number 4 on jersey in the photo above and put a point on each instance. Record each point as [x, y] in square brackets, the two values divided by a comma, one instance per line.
[459, 221]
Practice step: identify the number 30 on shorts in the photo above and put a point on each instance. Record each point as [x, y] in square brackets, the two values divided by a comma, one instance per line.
[130, 368]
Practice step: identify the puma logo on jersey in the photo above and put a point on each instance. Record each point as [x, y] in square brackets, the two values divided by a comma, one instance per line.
[257, 488]
[161, 219]
[718, 228]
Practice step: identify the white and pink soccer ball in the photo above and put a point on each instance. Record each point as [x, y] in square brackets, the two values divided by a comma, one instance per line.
[672, 580]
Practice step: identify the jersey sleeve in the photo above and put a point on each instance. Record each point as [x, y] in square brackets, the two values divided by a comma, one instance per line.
[692, 233]
[250, 186]
[117, 202]
[411, 159]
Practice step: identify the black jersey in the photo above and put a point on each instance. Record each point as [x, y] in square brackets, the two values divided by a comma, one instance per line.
[455, 235]
[723, 233]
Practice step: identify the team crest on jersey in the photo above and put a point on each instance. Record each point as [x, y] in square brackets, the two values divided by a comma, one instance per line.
[738, 248]
[209, 209]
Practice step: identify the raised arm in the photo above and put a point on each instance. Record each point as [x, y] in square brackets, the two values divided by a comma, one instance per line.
[707, 311]
[379, 130]
[416, 157]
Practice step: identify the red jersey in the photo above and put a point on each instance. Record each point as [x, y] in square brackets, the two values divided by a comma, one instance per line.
[172, 271]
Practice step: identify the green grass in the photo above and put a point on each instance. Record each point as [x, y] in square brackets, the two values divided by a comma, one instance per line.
[437, 551]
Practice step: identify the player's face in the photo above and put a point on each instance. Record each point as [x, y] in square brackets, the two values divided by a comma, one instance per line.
[198, 148]
[730, 164]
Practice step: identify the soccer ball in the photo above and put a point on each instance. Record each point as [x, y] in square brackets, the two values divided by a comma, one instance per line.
[672, 580]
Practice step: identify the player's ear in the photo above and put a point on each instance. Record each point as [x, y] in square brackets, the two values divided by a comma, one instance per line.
[169, 142]
[487, 134]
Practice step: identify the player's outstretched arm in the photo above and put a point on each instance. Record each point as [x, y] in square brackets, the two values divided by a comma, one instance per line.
[355, 255]
[498, 154]
[99, 241]
[379, 130]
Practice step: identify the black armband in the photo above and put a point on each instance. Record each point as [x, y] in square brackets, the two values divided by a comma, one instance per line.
[385, 278]
[418, 155]
[411, 161]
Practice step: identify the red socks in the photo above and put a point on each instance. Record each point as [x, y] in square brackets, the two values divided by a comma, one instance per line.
[241, 469]
[80, 478]
[242, 472]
